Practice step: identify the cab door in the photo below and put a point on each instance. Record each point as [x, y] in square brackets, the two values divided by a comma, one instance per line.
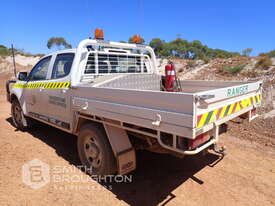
[33, 89]
[57, 92]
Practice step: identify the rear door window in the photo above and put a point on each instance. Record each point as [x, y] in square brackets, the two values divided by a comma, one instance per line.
[62, 65]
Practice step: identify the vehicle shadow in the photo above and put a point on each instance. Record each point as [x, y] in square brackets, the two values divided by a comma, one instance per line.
[158, 175]
[154, 180]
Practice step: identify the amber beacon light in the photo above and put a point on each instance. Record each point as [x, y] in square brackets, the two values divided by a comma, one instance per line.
[137, 39]
[99, 34]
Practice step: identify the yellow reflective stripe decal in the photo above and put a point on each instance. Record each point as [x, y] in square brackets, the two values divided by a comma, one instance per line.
[224, 111]
[46, 85]
[202, 120]
[238, 107]
[213, 116]
[231, 109]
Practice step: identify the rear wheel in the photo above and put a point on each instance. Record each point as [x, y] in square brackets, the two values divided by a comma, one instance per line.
[94, 150]
[19, 120]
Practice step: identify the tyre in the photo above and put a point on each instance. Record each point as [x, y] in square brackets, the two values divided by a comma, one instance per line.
[19, 120]
[94, 150]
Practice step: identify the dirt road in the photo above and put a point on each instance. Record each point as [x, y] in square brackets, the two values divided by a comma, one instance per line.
[246, 176]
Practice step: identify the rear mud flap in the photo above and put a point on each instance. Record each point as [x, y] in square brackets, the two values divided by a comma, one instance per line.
[124, 152]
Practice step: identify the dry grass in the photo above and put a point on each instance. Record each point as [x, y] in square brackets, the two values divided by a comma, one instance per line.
[263, 63]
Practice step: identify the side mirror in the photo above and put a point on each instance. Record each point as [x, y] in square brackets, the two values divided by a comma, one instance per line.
[22, 76]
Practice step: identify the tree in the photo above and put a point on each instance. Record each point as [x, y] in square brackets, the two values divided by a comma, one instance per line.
[179, 48]
[246, 52]
[58, 42]
[271, 53]
[182, 48]
[158, 45]
[4, 51]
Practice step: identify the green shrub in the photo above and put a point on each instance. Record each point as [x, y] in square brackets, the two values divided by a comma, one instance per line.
[205, 59]
[222, 56]
[233, 69]
[263, 63]
[38, 55]
[263, 54]
[271, 53]
[191, 63]
[4, 51]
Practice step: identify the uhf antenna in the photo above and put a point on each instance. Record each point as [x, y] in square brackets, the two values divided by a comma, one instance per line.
[13, 58]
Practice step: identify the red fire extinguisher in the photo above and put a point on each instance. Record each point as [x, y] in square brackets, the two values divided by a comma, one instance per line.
[170, 77]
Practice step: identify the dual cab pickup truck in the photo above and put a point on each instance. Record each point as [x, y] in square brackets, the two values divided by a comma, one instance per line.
[109, 95]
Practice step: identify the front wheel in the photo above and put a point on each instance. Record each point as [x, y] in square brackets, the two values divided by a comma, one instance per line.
[94, 150]
[18, 118]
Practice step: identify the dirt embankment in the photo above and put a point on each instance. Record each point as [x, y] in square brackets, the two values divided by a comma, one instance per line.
[262, 129]
[23, 63]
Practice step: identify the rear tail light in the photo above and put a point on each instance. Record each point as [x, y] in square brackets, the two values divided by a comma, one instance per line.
[202, 138]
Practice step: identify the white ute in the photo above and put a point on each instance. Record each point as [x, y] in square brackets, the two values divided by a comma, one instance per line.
[109, 95]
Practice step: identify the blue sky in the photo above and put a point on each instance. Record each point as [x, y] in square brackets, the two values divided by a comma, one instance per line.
[231, 25]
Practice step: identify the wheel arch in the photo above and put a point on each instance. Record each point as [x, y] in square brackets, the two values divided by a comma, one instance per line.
[119, 141]
[13, 97]
[82, 121]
